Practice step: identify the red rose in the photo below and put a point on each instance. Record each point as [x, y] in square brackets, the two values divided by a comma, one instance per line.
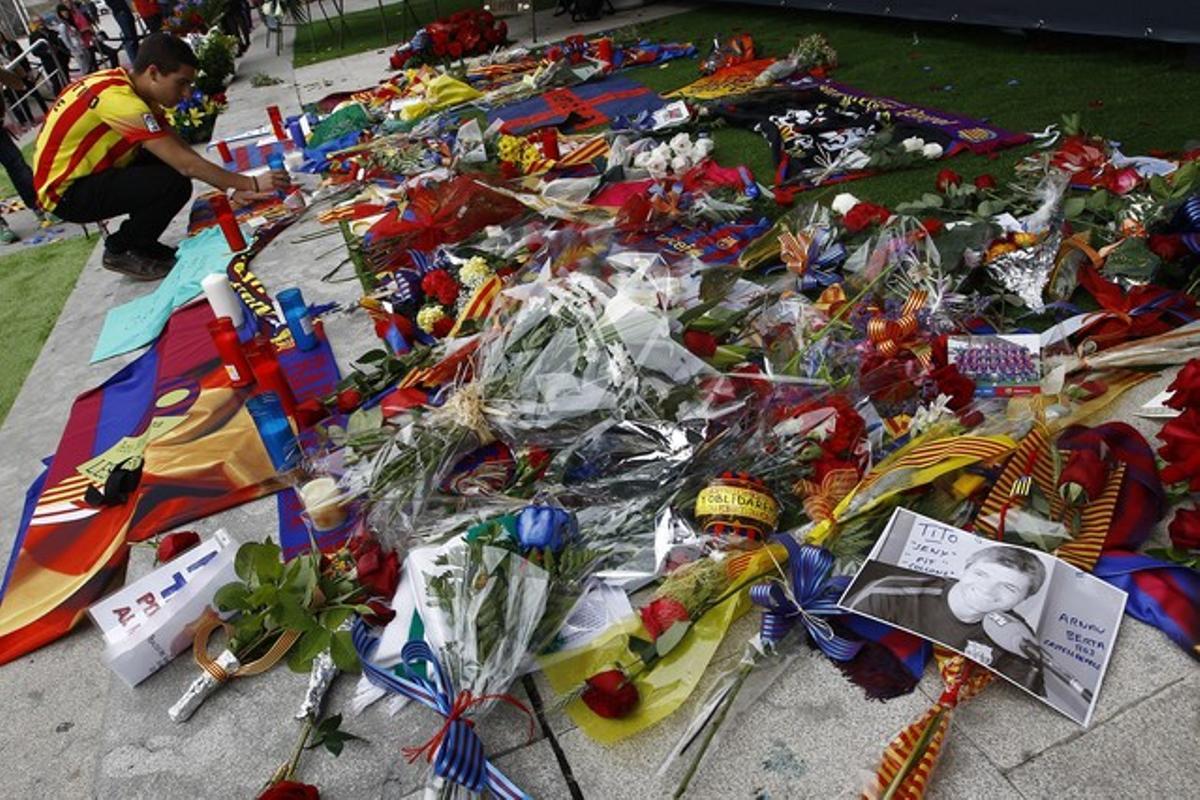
[610, 694]
[173, 544]
[348, 400]
[947, 178]
[1185, 389]
[378, 572]
[1185, 529]
[985, 181]
[1181, 449]
[442, 328]
[1168, 246]
[933, 226]
[863, 215]
[848, 429]
[662, 613]
[455, 49]
[1085, 469]
[952, 383]
[290, 790]
[381, 613]
[701, 343]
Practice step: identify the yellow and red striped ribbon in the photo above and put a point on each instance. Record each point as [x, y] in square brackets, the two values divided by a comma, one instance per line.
[909, 759]
[890, 336]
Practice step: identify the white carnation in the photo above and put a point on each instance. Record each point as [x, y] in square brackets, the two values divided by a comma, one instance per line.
[932, 150]
[913, 144]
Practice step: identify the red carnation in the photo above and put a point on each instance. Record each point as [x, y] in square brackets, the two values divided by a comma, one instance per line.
[309, 413]
[173, 544]
[290, 790]
[1122, 181]
[441, 286]
[1181, 449]
[610, 694]
[348, 400]
[1167, 246]
[1185, 529]
[442, 328]
[1185, 389]
[701, 343]
[985, 181]
[947, 178]
[455, 49]
[661, 613]
[863, 215]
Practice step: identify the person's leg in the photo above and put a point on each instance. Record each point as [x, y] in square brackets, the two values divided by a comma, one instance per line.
[129, 37]
[18, 171]
[149, 191]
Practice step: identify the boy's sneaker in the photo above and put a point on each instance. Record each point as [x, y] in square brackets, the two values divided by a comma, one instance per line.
[135, 265]
[8, 235]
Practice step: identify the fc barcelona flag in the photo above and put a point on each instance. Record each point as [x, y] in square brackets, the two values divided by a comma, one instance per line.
[579, 107]
[174, 414]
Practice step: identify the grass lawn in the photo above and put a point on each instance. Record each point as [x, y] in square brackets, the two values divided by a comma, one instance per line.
[1138, 93]
[318, 42]
[6, 187]
[34, 284]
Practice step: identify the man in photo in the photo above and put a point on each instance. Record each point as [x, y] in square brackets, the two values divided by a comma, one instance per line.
[952, 612]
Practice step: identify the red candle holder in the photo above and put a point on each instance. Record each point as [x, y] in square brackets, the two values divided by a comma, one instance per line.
[277, 122]
[229, 224]
[224, 151]
[268, 373]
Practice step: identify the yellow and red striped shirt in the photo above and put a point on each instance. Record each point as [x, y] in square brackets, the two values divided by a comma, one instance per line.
[97, 123]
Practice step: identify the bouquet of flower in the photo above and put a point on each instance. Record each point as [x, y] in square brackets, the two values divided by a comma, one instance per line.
[194, 117]
[193, 16]
[464, 33]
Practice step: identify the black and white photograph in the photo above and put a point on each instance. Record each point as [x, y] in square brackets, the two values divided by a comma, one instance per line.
[1031, 618]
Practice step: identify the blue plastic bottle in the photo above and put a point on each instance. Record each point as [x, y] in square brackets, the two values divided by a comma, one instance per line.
[299, 321]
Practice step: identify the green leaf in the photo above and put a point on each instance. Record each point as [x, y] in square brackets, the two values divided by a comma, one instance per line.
[672, 636]
[342, 649]
[1097, 201]
[334, 745]
[1074, 206]
[291, 615]
[232, 596]
[267, 564]
[263, 597]
[372, 356]
[243, 562]
[334, 617]
[931, 200]
[644, 650]
[311, 645]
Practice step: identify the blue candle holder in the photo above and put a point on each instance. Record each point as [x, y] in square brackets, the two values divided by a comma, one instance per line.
[275, 430]
[298, 318]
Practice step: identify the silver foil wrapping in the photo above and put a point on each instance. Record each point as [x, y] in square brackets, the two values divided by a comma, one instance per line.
[320, 677]
[204, 685]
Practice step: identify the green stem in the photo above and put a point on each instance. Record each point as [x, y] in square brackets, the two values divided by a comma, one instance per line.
[309, 726]
[713, 727]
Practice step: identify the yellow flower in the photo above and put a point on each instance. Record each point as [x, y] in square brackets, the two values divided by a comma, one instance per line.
[429, 316]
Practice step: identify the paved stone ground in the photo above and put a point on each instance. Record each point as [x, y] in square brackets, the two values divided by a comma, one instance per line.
[70, 729]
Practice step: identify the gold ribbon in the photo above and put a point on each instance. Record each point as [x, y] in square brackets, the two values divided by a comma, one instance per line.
[892, 336]
[204, 630]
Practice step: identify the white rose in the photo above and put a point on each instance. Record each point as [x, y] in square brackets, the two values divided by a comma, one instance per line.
[843, 203]
[663, 151]
[932, 150]
[913, 144]
[642, 159]
[681, 144]
[657, 166]
[702, 149]
[680, 164]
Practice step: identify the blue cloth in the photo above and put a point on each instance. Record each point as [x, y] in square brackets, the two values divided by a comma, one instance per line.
[139, 322]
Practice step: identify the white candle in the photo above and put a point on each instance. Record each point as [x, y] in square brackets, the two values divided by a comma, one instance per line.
[222, 298]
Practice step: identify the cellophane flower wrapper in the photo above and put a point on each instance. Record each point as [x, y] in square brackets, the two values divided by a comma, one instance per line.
[726, 705]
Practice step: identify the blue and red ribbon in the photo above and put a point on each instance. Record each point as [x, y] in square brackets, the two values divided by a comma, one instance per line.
[456, 751]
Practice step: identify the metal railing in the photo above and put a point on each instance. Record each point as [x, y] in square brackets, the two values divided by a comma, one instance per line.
[44, 61]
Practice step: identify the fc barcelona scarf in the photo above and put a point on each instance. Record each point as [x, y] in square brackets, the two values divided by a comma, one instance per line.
[578, 108]
[174, 413]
